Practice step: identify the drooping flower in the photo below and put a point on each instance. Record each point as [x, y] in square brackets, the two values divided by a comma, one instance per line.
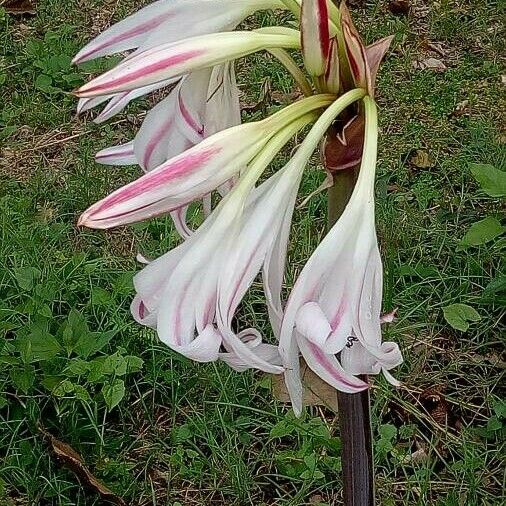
[192, 293]
[162, 22]
[195, 172]
[191, 144]
[202, 102]
[334, 307]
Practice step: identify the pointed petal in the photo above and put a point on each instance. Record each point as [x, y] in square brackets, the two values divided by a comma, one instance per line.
[128, 33]
[179, 218]
[374, 54]
[357, 360]
[393, 381]
[152, 140]
[119, 101]
[85, 104]
[191, 105]
[204, 348]
[355, 51]
[123, 154]
[141, 313]
[389, 317]
[222, 109]
[178, 58]
[252, 338]
[180, 180]
[273, 272]
[315, 35]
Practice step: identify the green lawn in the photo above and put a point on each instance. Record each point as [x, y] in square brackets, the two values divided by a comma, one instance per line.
[159, 430]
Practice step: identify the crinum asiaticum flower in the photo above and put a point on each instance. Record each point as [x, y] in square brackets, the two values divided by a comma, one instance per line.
[191, 144]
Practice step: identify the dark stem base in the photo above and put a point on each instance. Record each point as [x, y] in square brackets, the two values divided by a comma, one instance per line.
[356, 457]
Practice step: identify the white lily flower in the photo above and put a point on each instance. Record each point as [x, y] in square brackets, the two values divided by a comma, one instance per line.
[196, 172]
[165, 20]
[159, 23]
[192, 143]
[178, 292]
[335, 304]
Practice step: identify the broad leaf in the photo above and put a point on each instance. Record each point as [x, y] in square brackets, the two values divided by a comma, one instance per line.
[481, 232]
[25, 277]
[23, 377]
[491, 180]
[459, 316]
[91, 342]
[113, 393]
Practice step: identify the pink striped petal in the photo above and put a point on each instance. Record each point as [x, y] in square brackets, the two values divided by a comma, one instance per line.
[312, 323]
[126, 34]
[328, 368]
[179, 218]
[175, 59]
[315, 35]
[119, 101]
[85, 104]
[122, 154]
[355, 51]
[180, 180]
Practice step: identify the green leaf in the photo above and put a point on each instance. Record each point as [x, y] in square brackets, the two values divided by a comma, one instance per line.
[310, 461]
[100, 297]
[133, 363]
[459, 316]
[92, 342]
[23, 377]
[481, 232]
[44, 347]
[77, 367]
[81, 393]
[25, 277]
[44, 83]
[491, 180]
[499, 408]
[63, 388]
[282, 428]
[181, 433]
[494, 424]
[497, 285]
[113, 393]
[75, 330]
[388, 431]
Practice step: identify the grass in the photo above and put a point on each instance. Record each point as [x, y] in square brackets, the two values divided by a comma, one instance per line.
[200, 434]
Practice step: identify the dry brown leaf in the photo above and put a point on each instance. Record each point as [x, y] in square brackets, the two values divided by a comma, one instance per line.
[430, 64]
[461, 109]
[316, 392]
[399, 7]
[18, 7]
[75, 463]
[434, 403]
[421, 159]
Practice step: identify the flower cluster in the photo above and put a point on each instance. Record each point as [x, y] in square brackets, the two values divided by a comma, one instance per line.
[192, 144]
